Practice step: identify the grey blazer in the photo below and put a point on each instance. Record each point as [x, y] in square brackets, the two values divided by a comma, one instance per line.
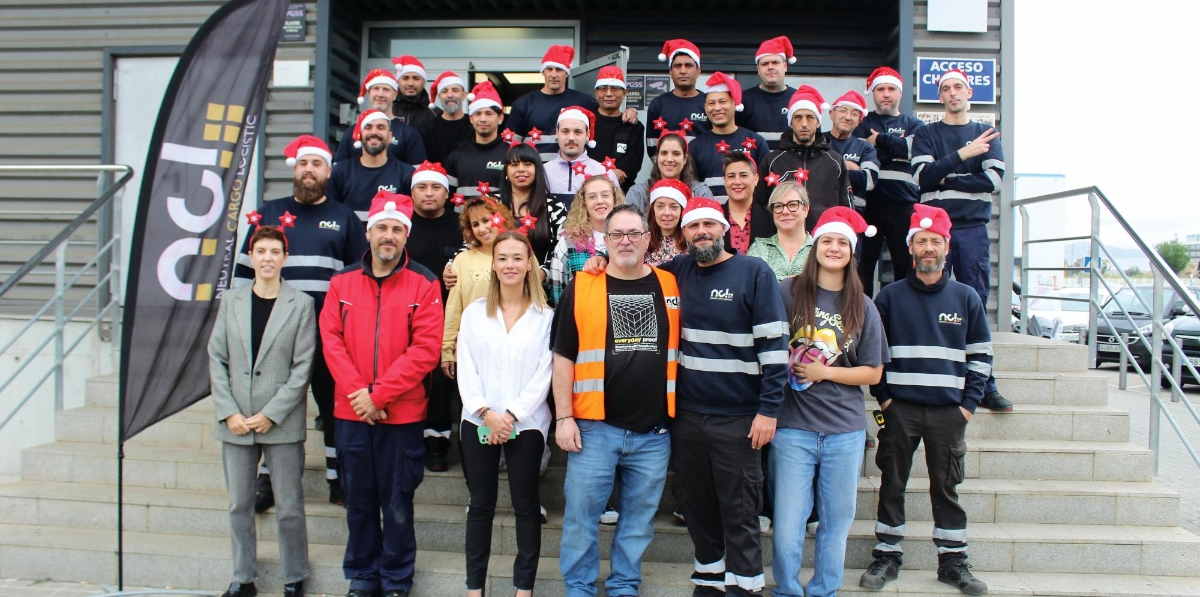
[276, 385]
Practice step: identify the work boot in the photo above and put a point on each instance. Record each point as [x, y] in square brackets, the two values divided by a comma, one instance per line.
[958, 574]
[880, 572]
[994, 402]
[264, 496]
[436, 449]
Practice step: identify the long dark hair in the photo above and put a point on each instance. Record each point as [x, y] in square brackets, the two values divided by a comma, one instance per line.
[849, 299]
[656, 235]
[687, 174]
[536, 207]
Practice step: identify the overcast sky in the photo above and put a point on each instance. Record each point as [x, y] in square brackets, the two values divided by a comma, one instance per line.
[1102, 95]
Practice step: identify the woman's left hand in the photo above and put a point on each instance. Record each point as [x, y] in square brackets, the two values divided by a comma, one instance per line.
[260, 423]
[811, 372]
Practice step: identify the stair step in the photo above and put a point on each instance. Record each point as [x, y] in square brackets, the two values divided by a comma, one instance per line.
[1041, 459]
[1038, 387]
[1018, 352]
[1041, 422]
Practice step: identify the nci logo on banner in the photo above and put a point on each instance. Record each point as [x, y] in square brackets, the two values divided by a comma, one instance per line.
[980, 72]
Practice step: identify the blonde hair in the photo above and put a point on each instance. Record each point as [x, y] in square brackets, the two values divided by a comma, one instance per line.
[533, 293]
[782, 191]
[578, 227]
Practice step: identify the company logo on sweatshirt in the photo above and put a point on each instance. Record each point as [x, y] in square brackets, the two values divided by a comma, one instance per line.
[329, 225]
[672, 302]
[495, 165]
[951, 318]
[896, 131]
[853, 157]
[391, 188]
[699, 116]
[721, 295]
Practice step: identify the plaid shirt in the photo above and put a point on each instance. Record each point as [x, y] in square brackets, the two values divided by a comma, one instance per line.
[569, 259]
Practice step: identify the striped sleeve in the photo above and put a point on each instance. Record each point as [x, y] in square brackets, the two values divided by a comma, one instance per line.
[770, 333]
[978, 353]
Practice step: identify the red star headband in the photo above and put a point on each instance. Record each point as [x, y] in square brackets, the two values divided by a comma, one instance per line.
[287, 220]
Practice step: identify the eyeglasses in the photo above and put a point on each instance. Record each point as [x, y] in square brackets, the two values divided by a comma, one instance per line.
[633, 236]
[790, 205]
[604, 195]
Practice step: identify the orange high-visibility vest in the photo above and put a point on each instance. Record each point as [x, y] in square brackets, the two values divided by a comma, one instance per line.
[591, 291]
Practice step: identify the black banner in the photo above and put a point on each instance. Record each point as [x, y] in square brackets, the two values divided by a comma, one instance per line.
[184, 241]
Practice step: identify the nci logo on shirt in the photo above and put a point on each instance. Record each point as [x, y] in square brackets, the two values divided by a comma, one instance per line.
[721, 295]
[951, 318]
[329, 225]
[498, 165]
[896, 131]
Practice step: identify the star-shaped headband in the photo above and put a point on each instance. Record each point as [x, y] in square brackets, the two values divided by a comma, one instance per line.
[484, 187]
[508, 135]
[534, 135]
[722, 146]
[772, 179]
[609, 163]
[458, 200]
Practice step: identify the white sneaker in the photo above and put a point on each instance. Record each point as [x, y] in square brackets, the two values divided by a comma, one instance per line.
[812, 528]
[610, 515]
[764, 523]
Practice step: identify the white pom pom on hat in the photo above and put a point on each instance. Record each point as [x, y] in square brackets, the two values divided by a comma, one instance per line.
[291, 161]
[361, 99]
[470, 97]
[926, 223]
[792, 60]
[871, 231]
[390, 206]
[662, 57]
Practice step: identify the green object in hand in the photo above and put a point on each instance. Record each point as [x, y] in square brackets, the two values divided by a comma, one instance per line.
[484, 431]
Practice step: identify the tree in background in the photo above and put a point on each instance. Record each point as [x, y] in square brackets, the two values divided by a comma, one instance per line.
[1174, 253]
[1134, 272]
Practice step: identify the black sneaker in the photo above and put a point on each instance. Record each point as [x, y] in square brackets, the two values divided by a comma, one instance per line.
[240, 590]
[319, 423]
[337, 495]
[958, 574]
[879, 573]
[436, 449]
[396, 593]
[678, 514]
[264, 496]
[994, 402]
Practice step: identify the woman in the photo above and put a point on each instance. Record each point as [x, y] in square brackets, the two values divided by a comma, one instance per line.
[583, 232]
[504, 369]
[837, 346]
[787, 251]
[670, 162]
[267, 328]
[667, 199]
[523, 191]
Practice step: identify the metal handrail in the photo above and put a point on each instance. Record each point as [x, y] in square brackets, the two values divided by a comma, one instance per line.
[1157, 334]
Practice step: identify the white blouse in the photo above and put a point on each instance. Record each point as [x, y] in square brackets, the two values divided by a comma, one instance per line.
[505, 370]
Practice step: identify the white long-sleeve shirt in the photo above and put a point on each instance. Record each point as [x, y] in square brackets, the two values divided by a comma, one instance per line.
[505, 369]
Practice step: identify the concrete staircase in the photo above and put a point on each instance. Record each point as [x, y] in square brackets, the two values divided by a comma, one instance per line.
[1059, 503]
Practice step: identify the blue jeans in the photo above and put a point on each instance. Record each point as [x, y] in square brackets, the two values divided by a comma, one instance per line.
[969, 262]
[640, 459]
[795, 456]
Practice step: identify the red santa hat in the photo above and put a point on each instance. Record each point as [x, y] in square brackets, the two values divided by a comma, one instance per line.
[307, 145]
[928, 217]
[679, 46]
[953, 73]
[700, 208]
[807, 98]
[390, 206]
[582, 115]
[884, 74]
[852, 99]
[408, 64]
[377, 76]
[720, 82]
[429, 171]
[483, 95]
[445, 79]
[671, 189]
[844, 221]
[560, 57]
[776, 45]
[610, 76]
[363, 120]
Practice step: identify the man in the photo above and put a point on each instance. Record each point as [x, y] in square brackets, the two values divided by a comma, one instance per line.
[804, 156]
[615, 137]
[722, 100]
[481, 160]
[682, 108]
[538, 109]
[412, 103]
[406, 146]
[435, 239]
[741, 180]
[614, 376]
[957, 165]
[941, 356]
[324, 237]
[889, 204]
[356, 181]
[767, 103]
[571, 166]
[382, 333]
[452, 127]
[858, 156]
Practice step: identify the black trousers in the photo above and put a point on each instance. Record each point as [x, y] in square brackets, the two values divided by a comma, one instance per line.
[322, 390]
[444, 405]
[892, 225]
[719, 487]
[481, 464]
[943, 429]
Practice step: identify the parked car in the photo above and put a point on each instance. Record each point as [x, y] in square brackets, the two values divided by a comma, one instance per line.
[1186, 332]
[1107, 350]
[1074, 314]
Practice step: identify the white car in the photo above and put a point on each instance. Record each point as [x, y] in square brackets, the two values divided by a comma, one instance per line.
[1074, 314]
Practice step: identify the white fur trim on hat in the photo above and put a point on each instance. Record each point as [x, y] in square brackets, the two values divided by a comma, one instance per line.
[886, 79]
[837, 227]
[953, 75]
[862, 109]
[549, 63]
[389, 212]
[610, 83]
[926, 224]
[574, 115]
[380, 80]
[790, 60]
[703, 213]
[477, 105]
[317, 151]
[806, 105]
[663, 57]
[669, 193]
[411, 68]
[421, 176]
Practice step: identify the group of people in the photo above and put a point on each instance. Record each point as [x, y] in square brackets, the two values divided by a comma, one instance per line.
[688, 323]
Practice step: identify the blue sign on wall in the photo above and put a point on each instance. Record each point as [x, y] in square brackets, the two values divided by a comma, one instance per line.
[981, 73]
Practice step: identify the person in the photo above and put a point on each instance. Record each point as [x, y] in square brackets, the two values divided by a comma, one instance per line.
[667, 200]
[380, 89]
[614, 374]
[859, 157]
[767, 103]
[722, 100]
[741, 182]
[837, 346]
[327, 235]
[575, 133]
[355, 181]
[481, 160]
[538, 109]
[615, 137]
[582, 232]
[786, 253]
[435, 238]
[504, 372]
[523, 191]
[451, 128]
[683, 108]
[382, 331]
[889, 204]
[263, 416]
[412, 101]
[958, 165]
[671, 161]
[805, 157]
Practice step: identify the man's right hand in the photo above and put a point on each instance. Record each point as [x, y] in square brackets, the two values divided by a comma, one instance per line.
[595, 265]
[449, 368]
[449, 278]
[979, 146]
[567, 435]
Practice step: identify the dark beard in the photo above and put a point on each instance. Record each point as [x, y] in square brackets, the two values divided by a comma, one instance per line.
[374, 150]
[308, 193]
[709, 254]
